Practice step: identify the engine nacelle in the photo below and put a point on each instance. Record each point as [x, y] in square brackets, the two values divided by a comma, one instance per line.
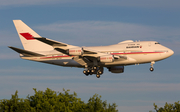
[76, 51]
[116, 69]
[106, 58]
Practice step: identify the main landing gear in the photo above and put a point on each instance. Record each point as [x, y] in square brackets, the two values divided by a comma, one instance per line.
[152, 69]
[93, 70]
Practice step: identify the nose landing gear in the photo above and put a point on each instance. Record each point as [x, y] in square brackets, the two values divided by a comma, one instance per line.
[152, 69]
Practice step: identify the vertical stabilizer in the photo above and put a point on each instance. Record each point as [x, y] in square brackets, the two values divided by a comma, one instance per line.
[26, 35]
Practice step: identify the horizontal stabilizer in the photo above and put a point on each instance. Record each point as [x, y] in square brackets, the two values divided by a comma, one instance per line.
[25, 52]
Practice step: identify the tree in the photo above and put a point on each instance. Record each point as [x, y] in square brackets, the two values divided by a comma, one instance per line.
[51, 101]
[168, 107]
[95, 104]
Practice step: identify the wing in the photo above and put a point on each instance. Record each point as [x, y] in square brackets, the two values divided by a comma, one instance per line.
[82, 55]
[58, 46]
[93, 53]
[50, 42]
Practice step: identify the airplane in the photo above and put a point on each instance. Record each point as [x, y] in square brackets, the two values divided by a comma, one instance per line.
[93, 59]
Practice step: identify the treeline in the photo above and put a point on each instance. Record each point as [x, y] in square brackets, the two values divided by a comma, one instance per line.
[168, 107]
[51, 101]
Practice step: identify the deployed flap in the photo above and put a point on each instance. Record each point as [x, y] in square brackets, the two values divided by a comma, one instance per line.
[81, 61]
[123, 57]
[25, 52]
[89, 52]
[50, 42]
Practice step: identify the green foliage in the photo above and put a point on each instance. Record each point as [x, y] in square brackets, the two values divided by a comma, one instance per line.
[51, 101]
[95, 104]
[168, 107]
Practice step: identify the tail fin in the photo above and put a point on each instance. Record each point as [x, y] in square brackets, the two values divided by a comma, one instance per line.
[26, 35]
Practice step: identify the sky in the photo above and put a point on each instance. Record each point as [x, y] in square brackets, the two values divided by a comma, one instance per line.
[94, 23]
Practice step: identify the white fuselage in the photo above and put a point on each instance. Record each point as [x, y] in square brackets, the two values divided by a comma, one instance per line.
[136, 53]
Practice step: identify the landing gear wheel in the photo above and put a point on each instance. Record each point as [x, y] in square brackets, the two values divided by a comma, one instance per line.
[99, 72]
[86, 72]
[95, 67]
[92, 70]
[98, 76]
[151, 69]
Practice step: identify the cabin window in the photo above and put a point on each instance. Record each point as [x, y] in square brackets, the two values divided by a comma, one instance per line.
[157, 43]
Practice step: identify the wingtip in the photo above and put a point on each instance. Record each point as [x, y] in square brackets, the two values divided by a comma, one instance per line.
[11, 47]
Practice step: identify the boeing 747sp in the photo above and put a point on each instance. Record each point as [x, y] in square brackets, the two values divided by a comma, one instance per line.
[92, 59]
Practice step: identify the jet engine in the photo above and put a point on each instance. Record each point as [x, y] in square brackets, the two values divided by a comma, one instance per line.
[106, 58]
[116, 69]
[76, 51]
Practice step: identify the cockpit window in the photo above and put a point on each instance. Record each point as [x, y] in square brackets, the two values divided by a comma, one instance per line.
[157, 43]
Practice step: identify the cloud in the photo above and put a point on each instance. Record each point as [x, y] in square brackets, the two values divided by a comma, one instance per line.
[121, 90]
[32, 2]
[143, 3]
[8, 38]
[129, 87]
[135, 108]
[104, 32]
[119, 30]
[25, 70]
[53, 78]
[8, 56]
[79, 81]
[120, 3]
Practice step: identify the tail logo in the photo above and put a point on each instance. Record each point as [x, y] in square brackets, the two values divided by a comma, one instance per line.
[27, 36]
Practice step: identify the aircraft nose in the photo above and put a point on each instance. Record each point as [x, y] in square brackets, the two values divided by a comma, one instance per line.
[171, 52]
